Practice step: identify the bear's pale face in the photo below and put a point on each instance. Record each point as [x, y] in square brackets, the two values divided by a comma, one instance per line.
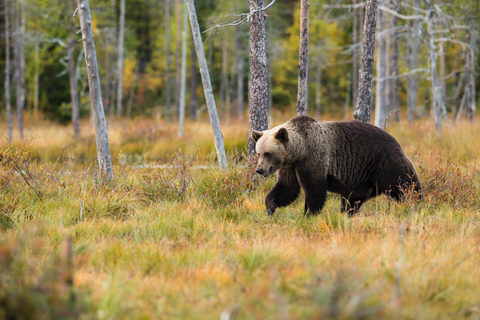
[271, 150]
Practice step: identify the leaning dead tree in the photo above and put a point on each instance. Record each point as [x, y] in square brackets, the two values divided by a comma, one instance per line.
[303, 60]
[101, 135]
[258, 81]
[7, 73]
[207, 86]
[362, 109]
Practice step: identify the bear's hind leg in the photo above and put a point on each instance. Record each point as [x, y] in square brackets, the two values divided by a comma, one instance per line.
[285, 191]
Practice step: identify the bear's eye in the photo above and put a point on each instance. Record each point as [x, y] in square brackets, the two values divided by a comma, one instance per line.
[267, 154]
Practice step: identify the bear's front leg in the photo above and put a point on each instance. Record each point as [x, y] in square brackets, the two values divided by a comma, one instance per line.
[315, 187]
[285, 191]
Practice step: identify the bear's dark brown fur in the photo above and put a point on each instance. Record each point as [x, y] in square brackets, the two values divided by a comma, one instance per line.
[352, 158]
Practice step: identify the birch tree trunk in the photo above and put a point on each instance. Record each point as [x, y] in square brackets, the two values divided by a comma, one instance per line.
[168, 106]
[121, 47]
[413, 50]
[72, 75]
[7, 73]
[355, 57]
[19, 52]
[101, 135]
[437, 99]
[380, 112]
[224, 84]
[303, 60]
[193, 83]
[36, 78]
[207, 86]
[394, 83]
[240, 71]
[183, 76]
[471, 61]
[258, 87]
[178, 61]
[443, 83]
[362, 109]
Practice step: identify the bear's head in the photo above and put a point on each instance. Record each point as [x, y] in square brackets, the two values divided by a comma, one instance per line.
[271, 147]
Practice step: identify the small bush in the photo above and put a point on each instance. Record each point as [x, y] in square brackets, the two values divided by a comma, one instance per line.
[446, 183]
[226, 188]
[169, 183]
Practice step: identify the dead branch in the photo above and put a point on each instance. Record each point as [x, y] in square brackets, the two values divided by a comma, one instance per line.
[243, 18]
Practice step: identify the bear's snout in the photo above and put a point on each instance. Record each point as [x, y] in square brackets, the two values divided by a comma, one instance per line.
[264, 173]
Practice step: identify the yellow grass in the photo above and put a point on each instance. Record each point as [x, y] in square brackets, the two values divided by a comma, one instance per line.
[135, 257]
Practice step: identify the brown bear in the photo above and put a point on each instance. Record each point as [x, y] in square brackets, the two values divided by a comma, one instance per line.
[352, 158]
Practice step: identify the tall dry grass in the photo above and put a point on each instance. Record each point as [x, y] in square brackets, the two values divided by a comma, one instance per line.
[186, 243]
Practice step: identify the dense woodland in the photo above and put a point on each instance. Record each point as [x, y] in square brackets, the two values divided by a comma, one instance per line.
[40, 58]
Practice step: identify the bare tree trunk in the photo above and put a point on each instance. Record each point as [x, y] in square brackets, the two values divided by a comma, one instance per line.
[121, 47]
[362, 110]
[183, 76]
[7, 73]
[258, 87]
[207, 86]
[72, 76]
[178, 61]
[240, 74]
[132, 90]
[303, 60]
[19, 52]
[318, 92]
[168, 62]
[101, 135]
[413, 48]
[355, 57]
[380, 112]
[471, 62]
[394, 84]
[443, 83]
[36, 78]
[193, 83]
[437, 99]
[224, 84]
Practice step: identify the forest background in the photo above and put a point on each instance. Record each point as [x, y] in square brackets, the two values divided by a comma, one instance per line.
[335, 39]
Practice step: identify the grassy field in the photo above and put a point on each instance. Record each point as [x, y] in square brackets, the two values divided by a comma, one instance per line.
[184, 242]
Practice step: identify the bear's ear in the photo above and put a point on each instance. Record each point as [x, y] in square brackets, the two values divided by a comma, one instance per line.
[256, 135]
[282, 135]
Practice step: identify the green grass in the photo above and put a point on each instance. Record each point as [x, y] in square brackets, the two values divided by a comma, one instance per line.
[200, 245]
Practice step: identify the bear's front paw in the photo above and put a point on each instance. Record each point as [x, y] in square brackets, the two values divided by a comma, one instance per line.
[270, 211]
